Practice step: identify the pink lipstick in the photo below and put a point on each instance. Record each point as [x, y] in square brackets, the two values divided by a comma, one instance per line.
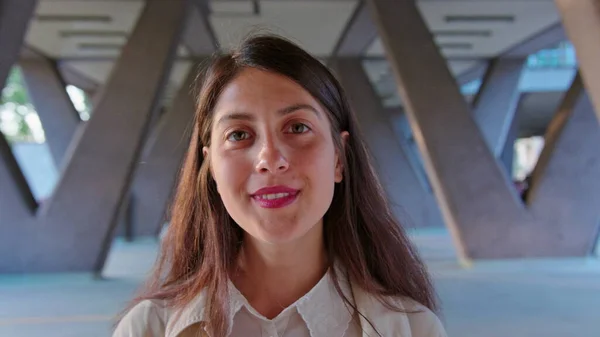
[275, 196]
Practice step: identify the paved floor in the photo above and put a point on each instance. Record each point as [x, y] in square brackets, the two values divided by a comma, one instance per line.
[549, 298]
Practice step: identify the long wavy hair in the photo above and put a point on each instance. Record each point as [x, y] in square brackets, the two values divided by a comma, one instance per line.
[360, 233]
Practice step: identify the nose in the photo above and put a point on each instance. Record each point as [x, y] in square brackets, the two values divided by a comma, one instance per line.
[271, 159]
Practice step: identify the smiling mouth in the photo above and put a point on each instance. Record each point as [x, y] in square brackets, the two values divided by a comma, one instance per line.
[273, 196]
[275, 200]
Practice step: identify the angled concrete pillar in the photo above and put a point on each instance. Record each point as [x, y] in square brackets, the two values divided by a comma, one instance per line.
[405, 138]
[14, 20]
[496, 102]
[358, 34]
[48, 92]
[156, 175]
[16, 200]
[74, 77]
[581, 20]
[480, 207]
[404, 190]
[476, 72]
[547, 38]
[16, 203]
[15, 197]
[565, 191]
[74, 230]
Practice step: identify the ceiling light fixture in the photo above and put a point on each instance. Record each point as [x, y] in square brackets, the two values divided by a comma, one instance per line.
[479, 18]
[72, 18]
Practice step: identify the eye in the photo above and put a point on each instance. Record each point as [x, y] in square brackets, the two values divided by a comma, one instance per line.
[298, 128]
[237, 136]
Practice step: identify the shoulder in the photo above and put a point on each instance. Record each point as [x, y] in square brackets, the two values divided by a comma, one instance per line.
[147, 319]
[423, 322]
[412, 319]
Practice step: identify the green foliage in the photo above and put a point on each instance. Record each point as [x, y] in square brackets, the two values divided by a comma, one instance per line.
[14, 98]
[15, 90]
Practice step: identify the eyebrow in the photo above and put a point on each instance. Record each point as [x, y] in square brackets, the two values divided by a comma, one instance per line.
[244, 116]
[296, 107]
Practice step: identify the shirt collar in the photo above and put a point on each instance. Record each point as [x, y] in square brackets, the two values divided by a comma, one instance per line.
[322, 308]
[191, 314]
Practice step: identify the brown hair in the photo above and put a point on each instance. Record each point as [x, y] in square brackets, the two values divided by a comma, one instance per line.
[360, 232]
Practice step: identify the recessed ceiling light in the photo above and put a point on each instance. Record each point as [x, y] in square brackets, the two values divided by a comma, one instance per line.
[72, 18]
[479, 18]
[92, 33]
[463, 33]
[99, 46]
[458, 45]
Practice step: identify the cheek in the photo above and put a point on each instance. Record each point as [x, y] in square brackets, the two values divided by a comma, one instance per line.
[230, 172]
[317, 161]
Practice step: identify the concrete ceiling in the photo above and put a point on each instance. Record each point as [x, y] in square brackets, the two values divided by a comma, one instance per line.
[467, 31]
[492, 26]
[99, 71]
[481, 29]
[314, 25]
[463, 28]
[380, 75]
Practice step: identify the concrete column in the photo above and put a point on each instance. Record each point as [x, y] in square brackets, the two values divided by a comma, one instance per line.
[358, 34]
[496, 102]
[565, 191]
[16, 200]
[406, 140]
[157, 173]
[15, 196]
[581, 19]
[14, 20]
[156, 176]
[74, 77]
[16, 203]
[52, 103]
[411, 204]
[481, 208]
[74, 230]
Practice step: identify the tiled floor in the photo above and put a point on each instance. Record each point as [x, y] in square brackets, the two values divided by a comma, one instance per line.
[549, 298]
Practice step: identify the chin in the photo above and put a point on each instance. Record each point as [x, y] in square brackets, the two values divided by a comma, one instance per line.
[279, 237]
[282, 235]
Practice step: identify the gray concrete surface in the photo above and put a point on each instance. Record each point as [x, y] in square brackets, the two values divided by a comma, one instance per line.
[476, 197]
[516, 298]
[156, 176]
[82, 214]
[48, 93]
[581, 20]
[412, 204]
[495, 104]
[565, 189]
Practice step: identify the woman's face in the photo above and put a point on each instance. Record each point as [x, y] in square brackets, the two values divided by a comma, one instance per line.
[272, 156]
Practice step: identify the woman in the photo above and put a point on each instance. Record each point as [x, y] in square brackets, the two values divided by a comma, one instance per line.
[279, 226]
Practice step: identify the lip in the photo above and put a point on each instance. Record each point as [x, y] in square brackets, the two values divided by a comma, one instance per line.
[274, 190]
[278, 202]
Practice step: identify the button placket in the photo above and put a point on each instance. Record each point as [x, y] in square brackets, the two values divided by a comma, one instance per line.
[273, 329]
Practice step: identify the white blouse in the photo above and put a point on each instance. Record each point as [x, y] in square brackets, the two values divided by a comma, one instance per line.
[321, 312]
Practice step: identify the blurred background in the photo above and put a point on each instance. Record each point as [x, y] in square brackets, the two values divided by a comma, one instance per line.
[482, 117]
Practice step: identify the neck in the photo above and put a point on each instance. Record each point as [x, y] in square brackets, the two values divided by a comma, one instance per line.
[272, 277]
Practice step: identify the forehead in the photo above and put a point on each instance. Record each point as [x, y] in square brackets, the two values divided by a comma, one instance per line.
[254, 90]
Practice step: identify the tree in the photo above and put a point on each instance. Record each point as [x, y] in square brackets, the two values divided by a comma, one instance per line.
[15, 105]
